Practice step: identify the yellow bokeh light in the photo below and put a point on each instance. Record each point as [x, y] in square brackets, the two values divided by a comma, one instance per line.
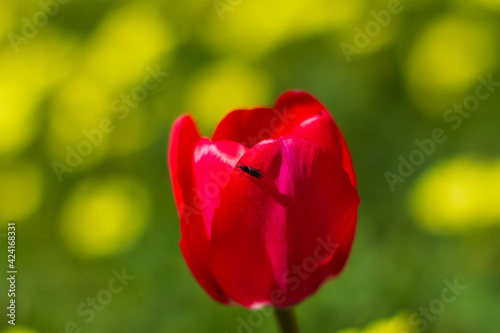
[492, 4]
[134, 133]
[27, 76]
[397, 324]
[74, 112]
[370, 32]
[18, 121]
[458, 195]
[101, 218]
[18, 329]
[253, 28]
[121, 53]
[6, 18]
[488, 4]
[128, 41]
[223, 88]
[447, 59]
[21, 191]
[338, 13]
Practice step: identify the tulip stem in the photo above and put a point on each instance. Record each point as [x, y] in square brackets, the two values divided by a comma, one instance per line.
[286, 320]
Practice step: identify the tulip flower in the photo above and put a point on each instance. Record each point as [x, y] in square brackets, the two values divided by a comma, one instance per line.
[268, 206]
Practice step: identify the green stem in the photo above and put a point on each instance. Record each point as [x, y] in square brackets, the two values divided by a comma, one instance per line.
[286, 320]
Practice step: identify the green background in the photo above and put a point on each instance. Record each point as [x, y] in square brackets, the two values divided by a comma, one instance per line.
[387, 71]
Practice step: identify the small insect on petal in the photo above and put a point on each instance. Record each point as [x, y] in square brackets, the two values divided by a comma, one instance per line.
[256, 173]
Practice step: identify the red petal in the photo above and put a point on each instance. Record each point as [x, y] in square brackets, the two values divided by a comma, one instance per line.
[295, 113]
[183, 138]
[268, 230]
[214, 163]
[249, 127]
[194, 243]
[322, 129]
[303, 102]
[318, 127]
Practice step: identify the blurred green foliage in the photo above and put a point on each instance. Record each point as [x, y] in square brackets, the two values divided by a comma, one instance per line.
[115, 74]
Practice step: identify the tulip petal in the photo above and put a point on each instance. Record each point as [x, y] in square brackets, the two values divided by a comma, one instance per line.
[279, 235]
[214, 163]
[183, 138]
[295, 113]
[194, 244]
[318, 127]
[323, 130]
[249, 127]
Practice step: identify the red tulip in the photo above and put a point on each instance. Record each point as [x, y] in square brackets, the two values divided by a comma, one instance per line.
[268, 207]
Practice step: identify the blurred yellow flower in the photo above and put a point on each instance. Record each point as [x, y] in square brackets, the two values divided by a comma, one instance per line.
[225, 87]
[18, 329]
[396, 324]
[21, 191]
[488, 4]
[458, 195]
[447, 59]
[101, 218]
[253, 28]
[27, 77]
[121, 52]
